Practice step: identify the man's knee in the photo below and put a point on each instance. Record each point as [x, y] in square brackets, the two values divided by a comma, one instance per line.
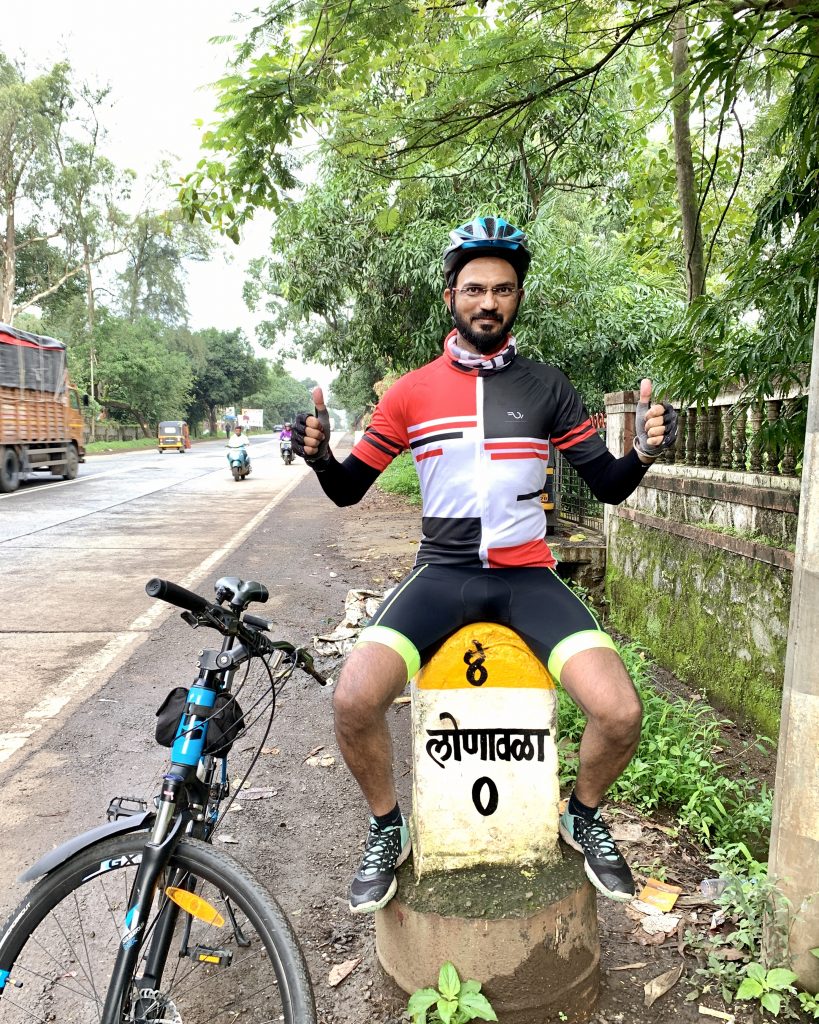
[368, 682]
[625, 719]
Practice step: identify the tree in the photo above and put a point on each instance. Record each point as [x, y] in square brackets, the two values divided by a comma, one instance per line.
[138, 376]
[158, 246]
[464, 90]
[281, 399]
[230, 372]
[354, 390]
[48, 171]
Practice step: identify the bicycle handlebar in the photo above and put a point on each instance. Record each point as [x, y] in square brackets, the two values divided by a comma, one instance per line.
[164, 590]
[304, 660]
[174, 594]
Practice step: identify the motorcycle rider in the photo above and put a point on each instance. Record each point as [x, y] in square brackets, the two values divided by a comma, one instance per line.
[286, 443]
[239, 439]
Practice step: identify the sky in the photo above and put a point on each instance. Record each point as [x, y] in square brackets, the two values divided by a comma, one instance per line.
[158, 60]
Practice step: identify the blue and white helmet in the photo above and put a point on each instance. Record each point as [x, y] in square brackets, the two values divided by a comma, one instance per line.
[486, 236]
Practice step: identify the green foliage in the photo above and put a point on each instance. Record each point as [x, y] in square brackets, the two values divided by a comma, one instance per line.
[230, 371]
[767, 987]
[454, 109]
[453, 1002]
[281, 399]
[153, 281]
[353, 389]
[400, 478]
[98, 447]
[137, 374]
[674, 768]
[807, 1000]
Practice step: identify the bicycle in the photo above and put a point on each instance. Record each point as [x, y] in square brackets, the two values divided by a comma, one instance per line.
[141, 919]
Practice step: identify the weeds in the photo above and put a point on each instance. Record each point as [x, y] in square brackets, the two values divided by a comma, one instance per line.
[400, 478]
[674, 766]
[453, 1002]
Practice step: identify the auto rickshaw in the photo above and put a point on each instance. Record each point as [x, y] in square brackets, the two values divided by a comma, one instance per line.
[173, 435]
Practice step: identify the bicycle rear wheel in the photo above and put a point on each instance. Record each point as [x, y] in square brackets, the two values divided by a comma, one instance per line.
[60, 944]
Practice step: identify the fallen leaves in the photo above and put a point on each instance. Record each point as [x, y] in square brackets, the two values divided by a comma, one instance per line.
[661, 984]
[338, 972]
[323, 762]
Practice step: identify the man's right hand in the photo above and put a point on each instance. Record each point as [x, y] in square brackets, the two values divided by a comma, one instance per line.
[311, 434]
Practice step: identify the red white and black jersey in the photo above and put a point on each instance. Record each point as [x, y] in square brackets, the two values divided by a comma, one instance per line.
[480, 440]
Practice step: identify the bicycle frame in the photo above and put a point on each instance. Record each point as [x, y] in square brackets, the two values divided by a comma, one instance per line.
[187, 760]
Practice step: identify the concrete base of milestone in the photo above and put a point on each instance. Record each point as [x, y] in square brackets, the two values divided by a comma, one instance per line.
[529, 935]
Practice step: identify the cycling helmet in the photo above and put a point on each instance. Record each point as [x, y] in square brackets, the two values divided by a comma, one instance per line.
[486, 236]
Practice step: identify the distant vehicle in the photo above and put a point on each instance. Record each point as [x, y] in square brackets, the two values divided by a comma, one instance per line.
[41, 426]
[277, 429]
[173, 435]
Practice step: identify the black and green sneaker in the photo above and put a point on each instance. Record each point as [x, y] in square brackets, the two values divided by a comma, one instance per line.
[374, 883]
[605, 866]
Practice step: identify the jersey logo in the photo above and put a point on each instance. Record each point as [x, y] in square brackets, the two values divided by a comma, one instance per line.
[515, 415]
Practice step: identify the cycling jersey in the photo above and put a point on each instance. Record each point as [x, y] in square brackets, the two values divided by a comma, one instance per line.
[479, 433]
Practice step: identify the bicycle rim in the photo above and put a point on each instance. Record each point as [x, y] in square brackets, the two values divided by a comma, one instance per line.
[60, 945]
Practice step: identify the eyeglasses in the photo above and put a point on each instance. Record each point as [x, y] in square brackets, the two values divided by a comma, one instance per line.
[474, 291]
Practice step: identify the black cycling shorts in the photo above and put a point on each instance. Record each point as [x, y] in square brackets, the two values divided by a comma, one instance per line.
[434, 601]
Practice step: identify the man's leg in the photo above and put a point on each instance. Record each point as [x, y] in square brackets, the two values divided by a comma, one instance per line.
[597, 681]
[370, 680]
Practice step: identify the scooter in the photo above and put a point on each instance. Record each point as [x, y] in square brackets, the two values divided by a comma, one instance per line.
[239, 462]
[286, 449]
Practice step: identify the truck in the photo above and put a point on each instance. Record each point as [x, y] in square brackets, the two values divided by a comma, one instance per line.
[41, 421]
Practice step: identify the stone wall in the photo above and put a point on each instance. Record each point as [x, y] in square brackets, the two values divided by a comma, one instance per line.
[699, 567]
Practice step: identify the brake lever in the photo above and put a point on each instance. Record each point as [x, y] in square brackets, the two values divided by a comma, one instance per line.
[304, 661]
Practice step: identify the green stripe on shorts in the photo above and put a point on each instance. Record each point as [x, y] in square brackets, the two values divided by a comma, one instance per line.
[585, 640]
[397, 641]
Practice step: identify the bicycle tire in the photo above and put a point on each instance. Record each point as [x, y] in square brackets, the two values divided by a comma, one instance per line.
[60, 944]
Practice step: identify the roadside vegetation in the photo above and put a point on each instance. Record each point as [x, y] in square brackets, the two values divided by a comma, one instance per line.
[400, 478]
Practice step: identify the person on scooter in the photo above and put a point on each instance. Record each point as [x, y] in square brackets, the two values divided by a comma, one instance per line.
[286, 444]
[479, 421]
[238, 439]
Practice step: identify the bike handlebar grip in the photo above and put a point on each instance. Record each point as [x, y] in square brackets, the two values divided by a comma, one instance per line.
[257, 621]
[174, 594]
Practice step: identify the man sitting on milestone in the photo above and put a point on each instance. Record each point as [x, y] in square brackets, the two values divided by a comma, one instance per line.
[479, 420]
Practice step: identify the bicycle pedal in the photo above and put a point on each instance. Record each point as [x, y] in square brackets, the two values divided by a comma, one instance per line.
[125, 807]
[209, 955]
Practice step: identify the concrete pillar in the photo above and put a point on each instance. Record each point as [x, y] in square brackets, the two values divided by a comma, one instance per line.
[794, 852]
[492, 889]
[621, 408]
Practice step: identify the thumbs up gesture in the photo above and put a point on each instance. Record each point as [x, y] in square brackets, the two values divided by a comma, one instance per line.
[656, 426]
[311, 434]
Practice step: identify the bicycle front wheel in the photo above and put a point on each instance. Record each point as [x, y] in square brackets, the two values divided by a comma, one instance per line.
[60, 944]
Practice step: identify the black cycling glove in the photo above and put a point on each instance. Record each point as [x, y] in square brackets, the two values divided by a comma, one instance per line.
[641, 442]
[300, 425]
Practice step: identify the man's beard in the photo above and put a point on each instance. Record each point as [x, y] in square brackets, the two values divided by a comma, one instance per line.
[485, 341]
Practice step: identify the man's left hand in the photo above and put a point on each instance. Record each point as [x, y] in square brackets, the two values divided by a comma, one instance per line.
[656, 426]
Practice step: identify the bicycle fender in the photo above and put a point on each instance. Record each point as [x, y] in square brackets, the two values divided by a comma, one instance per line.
[54, 858]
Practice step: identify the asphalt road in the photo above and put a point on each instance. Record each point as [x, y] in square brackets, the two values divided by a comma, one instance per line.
[75, 557]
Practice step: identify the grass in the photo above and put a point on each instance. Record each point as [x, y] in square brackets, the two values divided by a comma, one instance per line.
[400, 478]
[674, 767]
[97, 447]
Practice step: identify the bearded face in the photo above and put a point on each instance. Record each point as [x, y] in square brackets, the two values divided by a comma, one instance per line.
[484, 303]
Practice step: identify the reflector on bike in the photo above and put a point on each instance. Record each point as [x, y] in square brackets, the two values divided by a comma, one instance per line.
[195, 905]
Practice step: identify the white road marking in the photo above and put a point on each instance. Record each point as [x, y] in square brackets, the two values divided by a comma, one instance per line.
[101, 666]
